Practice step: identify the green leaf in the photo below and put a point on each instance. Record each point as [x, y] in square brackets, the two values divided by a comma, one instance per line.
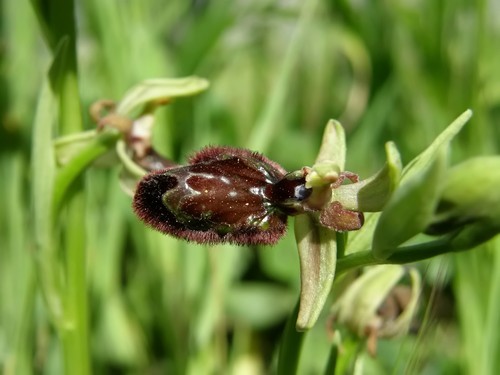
[429, 154]
[158, 90]
[53, 24]
[43, 175]
[318, 255]
[410, 209]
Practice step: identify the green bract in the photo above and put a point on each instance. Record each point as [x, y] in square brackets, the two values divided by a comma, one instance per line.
[410, 209]
[318, 256]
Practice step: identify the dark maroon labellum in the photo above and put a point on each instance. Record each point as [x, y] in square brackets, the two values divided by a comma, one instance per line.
[224, 194]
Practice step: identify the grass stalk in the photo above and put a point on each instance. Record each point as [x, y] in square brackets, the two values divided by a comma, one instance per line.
[268, 123]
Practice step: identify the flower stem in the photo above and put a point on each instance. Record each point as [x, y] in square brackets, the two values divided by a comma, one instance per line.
[74, 333]
[401, 255]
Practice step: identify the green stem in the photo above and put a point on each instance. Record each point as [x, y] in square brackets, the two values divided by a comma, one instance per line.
[402, 255]
[291, 344]
[74, 332]
[128, 163]
[87, 135]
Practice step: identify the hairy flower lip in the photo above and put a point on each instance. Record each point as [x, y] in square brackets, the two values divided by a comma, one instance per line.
[148, 205]
[224, 195]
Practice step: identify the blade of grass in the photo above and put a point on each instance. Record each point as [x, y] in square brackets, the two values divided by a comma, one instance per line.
[16, 264]
[268, 123]
[43, 172]
[57, 19]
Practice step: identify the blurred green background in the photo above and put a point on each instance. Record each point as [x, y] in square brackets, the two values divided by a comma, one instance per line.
[388, 70]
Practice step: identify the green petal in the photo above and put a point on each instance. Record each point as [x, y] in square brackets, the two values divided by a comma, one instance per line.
[372, 198]
[372, 194]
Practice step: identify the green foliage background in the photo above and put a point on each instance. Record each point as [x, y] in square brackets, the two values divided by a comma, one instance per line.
[389, 70]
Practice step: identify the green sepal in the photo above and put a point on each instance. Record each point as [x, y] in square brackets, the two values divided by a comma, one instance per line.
[155, 91]
[318, 256]
[331, 156]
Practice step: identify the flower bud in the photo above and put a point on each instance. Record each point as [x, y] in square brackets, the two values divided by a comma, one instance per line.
[374, 306]
[469, 206]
